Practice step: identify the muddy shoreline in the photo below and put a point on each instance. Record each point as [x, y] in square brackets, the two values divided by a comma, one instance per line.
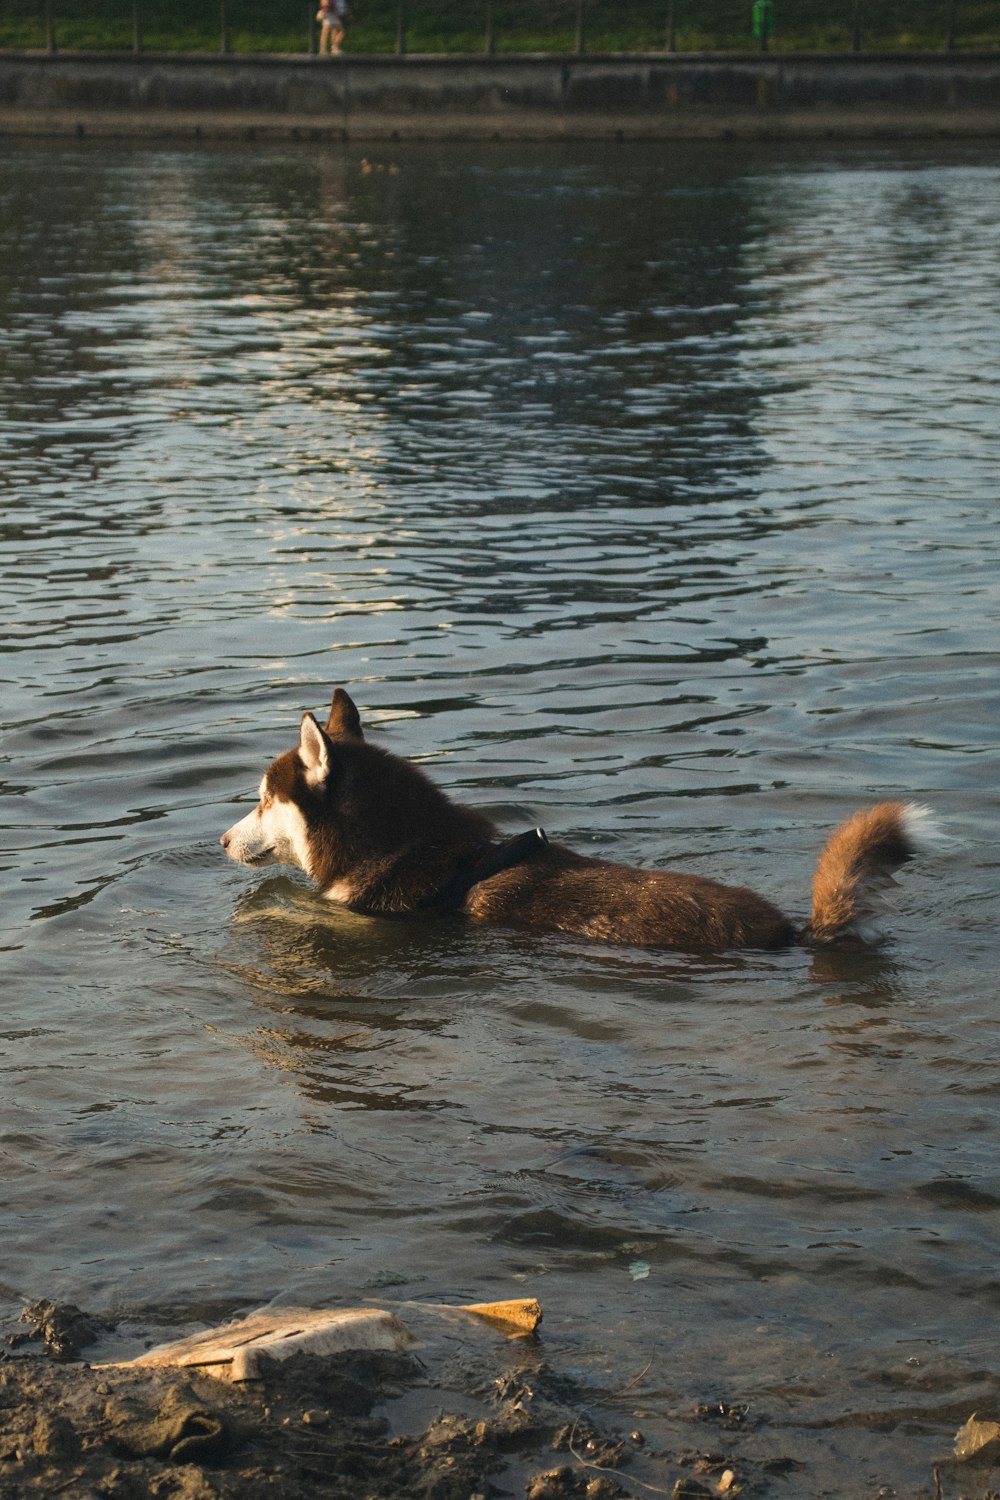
[490, 1417]
[466, 1413]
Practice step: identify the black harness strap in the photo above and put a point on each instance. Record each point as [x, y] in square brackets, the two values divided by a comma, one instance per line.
[489, 860]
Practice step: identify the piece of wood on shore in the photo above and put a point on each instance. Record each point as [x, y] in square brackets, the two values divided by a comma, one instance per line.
[233, 1351]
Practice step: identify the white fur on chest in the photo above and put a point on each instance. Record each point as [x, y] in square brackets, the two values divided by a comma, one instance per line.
[341, 891]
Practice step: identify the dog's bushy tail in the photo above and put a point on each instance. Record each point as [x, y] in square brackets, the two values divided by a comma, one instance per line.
[854, 871]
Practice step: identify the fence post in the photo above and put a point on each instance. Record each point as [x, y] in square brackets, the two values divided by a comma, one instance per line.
[223, 30]
[856, 27]
[50, 28]
[401, 29]
[489, 46]
[671, 27]
[952, 25]
[581, 31]
[311, 31]
[136, 27]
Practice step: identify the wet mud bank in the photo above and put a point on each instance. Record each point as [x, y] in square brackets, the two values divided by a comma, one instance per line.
[452, 1422]
[663, 96]
[467, 1416]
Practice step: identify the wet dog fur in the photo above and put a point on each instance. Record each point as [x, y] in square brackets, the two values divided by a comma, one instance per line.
[378, 836]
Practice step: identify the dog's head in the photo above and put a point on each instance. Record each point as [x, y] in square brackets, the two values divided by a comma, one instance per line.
[338, 807]
[294, 794]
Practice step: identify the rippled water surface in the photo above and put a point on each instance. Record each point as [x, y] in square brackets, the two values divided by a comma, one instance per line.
[646, 494]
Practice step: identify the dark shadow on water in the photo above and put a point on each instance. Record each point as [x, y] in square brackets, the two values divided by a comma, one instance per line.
[306, 941]
[309, 946]
[864, 966]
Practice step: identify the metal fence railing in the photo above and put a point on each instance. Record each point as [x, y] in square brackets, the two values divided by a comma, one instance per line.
[503, 26]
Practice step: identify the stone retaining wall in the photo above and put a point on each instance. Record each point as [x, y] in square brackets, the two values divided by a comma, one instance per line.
[375, 97]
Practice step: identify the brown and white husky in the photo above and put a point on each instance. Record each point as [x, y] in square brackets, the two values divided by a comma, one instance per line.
[377, 836]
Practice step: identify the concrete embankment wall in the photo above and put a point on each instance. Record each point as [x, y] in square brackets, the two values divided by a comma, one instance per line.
[663, 96]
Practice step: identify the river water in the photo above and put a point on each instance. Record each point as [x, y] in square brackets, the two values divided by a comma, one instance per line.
[645, 493]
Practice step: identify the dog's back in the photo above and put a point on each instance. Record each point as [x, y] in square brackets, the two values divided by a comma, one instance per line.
[560, 891]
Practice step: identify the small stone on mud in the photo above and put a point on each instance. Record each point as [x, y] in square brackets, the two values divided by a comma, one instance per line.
[183, 1483]
[573, 1484]
[690, 1489]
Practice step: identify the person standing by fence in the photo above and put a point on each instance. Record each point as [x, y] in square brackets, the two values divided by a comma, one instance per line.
[333, 17]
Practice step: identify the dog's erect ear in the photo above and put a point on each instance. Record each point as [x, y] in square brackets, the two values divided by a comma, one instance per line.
[344, 719]
[314, 750]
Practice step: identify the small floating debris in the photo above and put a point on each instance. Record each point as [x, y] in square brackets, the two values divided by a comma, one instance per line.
[520, 1316]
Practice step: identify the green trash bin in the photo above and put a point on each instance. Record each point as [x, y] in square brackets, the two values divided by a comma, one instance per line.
[763, 22]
